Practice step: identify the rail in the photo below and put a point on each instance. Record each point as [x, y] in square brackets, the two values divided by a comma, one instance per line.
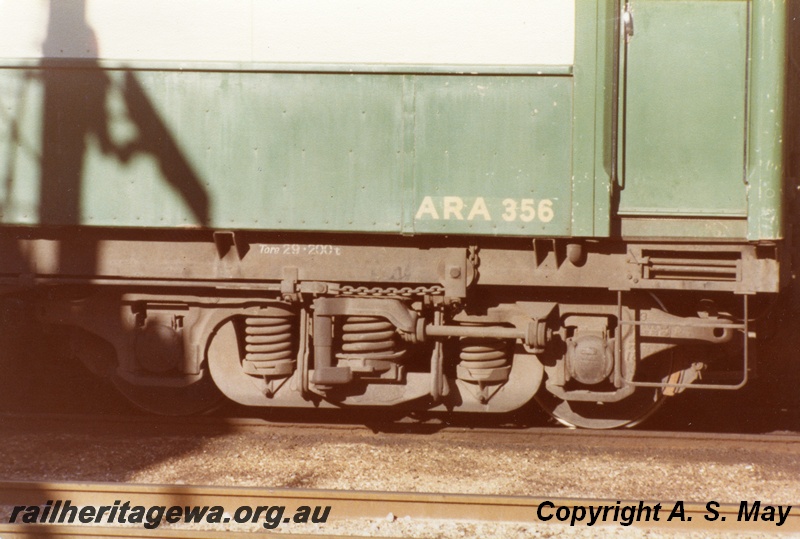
[375, 505]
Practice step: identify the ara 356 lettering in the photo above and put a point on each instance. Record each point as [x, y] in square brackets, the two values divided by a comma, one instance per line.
[525, 210]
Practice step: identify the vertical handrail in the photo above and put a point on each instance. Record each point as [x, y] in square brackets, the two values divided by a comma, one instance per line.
[615, 90]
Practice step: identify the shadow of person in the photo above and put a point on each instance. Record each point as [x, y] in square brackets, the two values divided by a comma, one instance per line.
[76, 126]
[75, 114]
[74, 109]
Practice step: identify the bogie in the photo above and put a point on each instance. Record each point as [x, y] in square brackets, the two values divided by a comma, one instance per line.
[490, 351]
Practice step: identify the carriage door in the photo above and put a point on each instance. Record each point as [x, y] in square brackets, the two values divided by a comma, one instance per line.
[683, 108]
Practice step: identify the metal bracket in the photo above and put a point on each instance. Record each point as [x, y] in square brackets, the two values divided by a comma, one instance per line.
[724, 333]
[289, 283]
[542, 247]
[455, 277]
[627, 22]
[438, 383]
[393, 310]
[326, 374]
[659, 326]
[585, 395]
[225, 239]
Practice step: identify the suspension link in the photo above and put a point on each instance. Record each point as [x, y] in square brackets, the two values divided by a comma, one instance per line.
[534, 337]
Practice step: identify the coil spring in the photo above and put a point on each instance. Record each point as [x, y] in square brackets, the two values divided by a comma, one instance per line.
[483, 359]
[268, 345]
[369, 337]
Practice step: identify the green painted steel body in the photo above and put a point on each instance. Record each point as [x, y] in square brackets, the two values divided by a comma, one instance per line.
[685, 109]
[503, 150]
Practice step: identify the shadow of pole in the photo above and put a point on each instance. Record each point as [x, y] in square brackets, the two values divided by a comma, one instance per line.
[156, 140]
[74, 123]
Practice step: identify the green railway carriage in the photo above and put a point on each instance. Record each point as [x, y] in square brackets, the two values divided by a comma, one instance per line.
[451, 205]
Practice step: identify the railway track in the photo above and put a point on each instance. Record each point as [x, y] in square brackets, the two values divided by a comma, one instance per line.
[369, 505]
[87, 436]
[106, 424]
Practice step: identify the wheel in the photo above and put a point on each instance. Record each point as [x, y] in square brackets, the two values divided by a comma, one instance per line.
[628, 412]
[197, 398]
[586, 345]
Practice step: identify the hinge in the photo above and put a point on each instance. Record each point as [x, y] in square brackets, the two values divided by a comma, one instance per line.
[627, 22]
